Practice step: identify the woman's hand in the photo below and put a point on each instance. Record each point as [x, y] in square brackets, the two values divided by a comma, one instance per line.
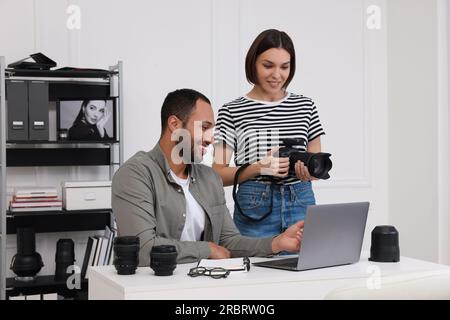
[302, 173]
[102, 122]
[274, 166]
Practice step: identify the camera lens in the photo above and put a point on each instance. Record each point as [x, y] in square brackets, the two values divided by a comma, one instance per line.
[27, 262]
[163, 259]
[319, 165]
[64, 257]
[126, 254]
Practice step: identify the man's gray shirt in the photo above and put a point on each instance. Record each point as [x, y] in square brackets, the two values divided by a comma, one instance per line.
[148, 203]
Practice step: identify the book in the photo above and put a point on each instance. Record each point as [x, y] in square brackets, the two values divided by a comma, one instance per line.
[87, 255]
[35, 204]
[34, 191]
[91, 255]
[108, 234]
[103, 250]
[98, 249]
[36, 199]
[111, 253]
[32, 196]
[56, 208]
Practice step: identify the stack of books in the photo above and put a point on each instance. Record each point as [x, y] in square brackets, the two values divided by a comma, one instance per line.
[99, 251]
[35, 199]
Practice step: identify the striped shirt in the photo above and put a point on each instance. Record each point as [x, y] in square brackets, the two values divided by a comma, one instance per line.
[251, 127]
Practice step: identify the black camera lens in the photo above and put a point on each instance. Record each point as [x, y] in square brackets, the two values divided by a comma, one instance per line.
[27, 262]
[163, 259]
[126, 254]
[64, 257]
[318, 164]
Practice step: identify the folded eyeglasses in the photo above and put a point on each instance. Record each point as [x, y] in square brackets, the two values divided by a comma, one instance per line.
[217, 272]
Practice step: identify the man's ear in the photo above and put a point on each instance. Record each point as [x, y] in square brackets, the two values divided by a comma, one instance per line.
[173, 123]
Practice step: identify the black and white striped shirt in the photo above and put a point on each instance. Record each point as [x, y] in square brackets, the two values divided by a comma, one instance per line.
[251, 127]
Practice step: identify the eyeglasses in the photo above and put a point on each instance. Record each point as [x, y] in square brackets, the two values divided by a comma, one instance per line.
[215, 273]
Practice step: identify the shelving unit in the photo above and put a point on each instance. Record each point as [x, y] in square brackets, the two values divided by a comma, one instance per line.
[62, 84]
[3, 205]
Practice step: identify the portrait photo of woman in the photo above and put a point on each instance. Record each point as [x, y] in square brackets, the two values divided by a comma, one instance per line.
[93, 121]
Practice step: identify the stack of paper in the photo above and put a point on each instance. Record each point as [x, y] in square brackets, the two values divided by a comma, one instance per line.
[232, 264]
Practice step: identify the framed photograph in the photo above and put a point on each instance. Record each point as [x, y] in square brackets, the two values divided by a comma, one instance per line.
[86, 120]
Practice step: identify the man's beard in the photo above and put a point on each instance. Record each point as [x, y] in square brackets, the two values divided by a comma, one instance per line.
[192, 156]
[196, 156]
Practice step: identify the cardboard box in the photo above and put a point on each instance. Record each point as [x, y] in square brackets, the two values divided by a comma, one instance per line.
[86, 195]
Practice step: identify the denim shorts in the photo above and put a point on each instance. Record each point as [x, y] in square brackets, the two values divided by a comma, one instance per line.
[288, 204]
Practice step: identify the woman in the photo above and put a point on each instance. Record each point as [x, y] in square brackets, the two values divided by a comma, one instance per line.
[90, 122]
[252, 127]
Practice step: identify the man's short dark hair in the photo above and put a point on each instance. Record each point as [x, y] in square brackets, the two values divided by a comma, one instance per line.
[266, 40]
[180, 103]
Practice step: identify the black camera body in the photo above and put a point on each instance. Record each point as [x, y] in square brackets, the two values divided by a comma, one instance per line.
[318, 164]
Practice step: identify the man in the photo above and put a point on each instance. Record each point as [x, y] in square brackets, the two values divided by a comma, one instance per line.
[166, 197]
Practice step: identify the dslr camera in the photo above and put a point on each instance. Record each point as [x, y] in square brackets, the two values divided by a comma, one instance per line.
[318, 164]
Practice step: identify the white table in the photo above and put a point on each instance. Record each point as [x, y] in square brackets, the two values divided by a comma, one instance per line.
[260, 283]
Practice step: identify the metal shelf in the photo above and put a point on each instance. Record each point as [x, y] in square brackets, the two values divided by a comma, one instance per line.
[2, 180]
[43, 285]
[78, 73]
[59, 221]
[31, 157]
[65, 142]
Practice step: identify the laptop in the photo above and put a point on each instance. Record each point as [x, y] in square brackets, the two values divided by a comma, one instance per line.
[332, 236]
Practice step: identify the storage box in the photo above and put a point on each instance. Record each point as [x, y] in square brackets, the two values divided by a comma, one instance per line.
[86, 195]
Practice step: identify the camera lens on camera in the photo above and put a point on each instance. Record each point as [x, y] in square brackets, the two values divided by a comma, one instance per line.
[126, 254]
[163, 259]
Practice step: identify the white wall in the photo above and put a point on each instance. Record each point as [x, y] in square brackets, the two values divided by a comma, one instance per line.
[201, 44]
[342, 65]
[443, 10]
[418, 140]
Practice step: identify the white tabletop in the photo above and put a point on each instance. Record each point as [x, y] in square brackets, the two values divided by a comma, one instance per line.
[259, 282]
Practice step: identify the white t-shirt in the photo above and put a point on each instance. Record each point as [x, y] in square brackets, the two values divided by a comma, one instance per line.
[195, 215]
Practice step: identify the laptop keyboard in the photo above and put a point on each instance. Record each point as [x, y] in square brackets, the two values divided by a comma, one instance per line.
[289, 262]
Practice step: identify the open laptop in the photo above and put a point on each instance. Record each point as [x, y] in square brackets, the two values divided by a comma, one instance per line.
[333, 235]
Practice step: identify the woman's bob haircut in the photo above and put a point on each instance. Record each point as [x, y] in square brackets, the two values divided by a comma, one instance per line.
[266, 40]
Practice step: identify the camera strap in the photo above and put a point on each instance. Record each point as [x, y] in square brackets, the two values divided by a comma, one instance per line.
[236, 202]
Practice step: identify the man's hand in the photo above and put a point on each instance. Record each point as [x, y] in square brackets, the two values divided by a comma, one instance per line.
[290, 240]
[218, 252]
